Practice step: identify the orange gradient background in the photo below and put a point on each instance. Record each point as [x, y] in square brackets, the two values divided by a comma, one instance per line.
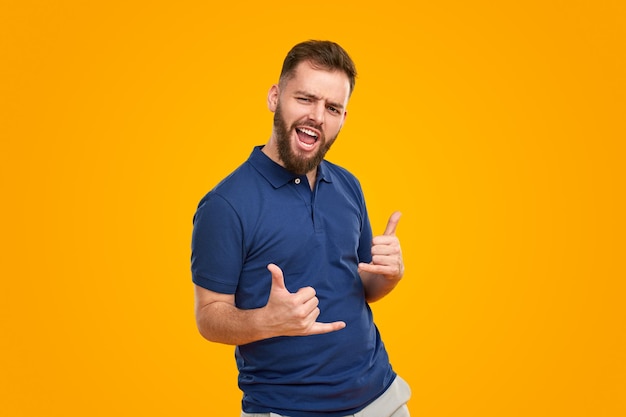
[497, 128]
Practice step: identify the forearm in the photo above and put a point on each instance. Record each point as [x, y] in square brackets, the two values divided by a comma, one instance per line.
[285, 314]
[222, 322]
[377, 286]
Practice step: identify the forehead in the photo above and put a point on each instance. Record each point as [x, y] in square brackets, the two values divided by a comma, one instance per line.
[330, 85]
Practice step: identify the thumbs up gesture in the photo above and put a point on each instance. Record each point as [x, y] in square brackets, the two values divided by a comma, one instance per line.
[294, 314]
[386, 252]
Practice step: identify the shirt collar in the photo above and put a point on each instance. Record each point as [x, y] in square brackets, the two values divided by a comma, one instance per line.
[276, 174]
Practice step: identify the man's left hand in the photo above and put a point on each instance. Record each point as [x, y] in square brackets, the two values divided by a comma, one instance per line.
[386, 252]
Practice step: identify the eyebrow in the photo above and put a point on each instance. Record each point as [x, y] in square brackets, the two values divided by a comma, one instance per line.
[313, 96]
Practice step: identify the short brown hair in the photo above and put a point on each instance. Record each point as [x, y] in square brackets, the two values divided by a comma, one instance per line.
[321, 54]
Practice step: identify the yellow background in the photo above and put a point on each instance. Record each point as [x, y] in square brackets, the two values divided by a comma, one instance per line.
[496, 127]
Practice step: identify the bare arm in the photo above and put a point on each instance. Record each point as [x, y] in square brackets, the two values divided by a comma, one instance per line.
[218, 319]
[285, 314]
[387, 268]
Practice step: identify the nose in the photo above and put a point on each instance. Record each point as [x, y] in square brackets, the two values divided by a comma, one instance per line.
[317, 113]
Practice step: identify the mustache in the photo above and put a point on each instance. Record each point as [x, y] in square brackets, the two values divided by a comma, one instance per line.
[309, 123]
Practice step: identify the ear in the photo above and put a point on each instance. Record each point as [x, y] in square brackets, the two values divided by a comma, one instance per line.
[272, 98]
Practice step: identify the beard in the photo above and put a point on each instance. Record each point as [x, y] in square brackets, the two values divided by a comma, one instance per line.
[292, 160]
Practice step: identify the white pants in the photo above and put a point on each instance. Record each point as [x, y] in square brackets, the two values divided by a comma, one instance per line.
[391, 404]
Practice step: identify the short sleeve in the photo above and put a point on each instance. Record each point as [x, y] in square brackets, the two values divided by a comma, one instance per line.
[216, 245]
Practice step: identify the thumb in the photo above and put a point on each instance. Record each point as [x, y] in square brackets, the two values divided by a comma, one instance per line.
[278, 280]
[390, 230]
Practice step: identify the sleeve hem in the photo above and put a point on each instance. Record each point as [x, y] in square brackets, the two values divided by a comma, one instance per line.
[213, 285]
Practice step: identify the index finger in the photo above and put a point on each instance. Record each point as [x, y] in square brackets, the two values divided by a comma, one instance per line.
[390, 230]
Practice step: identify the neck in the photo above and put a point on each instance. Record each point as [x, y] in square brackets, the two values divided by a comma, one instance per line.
[311, 176]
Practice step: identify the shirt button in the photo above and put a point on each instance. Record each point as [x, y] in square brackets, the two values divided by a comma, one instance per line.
[297, 181]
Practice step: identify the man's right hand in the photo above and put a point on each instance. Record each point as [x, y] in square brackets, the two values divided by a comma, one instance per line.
[294, 314]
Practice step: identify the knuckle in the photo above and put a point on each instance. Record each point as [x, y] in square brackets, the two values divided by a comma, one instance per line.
[301, 315]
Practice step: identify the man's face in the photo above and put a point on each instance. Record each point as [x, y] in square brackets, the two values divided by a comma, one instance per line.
[309, 111]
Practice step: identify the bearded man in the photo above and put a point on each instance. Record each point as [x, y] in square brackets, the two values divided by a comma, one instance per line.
[285, 265]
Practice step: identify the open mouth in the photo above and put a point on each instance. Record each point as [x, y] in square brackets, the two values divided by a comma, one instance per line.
[307, 137]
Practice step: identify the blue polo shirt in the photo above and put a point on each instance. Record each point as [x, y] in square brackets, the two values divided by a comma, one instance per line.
[263, 214]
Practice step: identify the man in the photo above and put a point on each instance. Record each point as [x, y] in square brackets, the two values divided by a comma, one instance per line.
[284, 263]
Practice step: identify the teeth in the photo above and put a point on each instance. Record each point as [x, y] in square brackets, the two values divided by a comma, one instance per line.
[308, 132]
